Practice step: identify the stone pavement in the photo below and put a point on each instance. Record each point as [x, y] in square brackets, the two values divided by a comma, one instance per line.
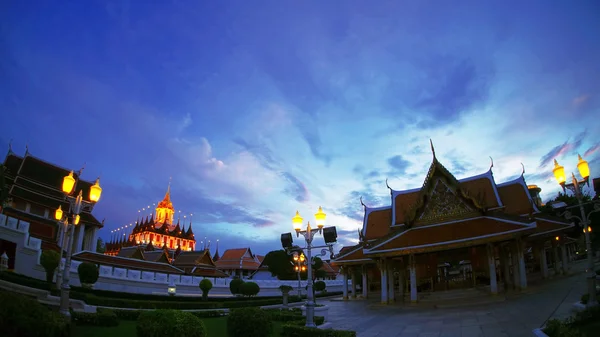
[515, 317]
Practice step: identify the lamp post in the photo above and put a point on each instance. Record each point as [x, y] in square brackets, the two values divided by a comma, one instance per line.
[330, 237]
[575, 187]
[299, 268]
[73, 215]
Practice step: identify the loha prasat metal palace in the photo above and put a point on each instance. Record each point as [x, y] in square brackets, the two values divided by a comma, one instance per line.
[452, 234]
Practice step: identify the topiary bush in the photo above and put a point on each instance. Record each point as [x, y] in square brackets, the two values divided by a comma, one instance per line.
[88, 273]
[249, 322]
[50, 260]
[250, 289]
[205, 285]
[235, 285]
[285, 289]
[160, 323]
[320, 286]
[21, 316]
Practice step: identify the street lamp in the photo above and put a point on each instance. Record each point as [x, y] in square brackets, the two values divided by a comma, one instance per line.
[75, 206]
[299, 268]
[575, 187]
[330, 237]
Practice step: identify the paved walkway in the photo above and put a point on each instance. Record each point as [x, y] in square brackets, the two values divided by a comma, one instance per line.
[515, 317]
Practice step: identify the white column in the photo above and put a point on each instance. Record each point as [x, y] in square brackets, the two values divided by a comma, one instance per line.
[353, 282]
[565, 261]
[492, 266]
[345, 288]
[556, 258]
[413, 280]
[522, 269]
[365, 286]
[514, 257]
[543, 261]
[79, 238]
[94, 242]
[384, 278]
[505, 262]
[391, 290]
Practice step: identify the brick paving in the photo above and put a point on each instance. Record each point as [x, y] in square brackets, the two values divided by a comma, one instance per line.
[515, 317]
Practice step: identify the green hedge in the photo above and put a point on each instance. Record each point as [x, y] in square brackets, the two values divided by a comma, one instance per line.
[25, 280]
[21, 316]
[292, 330]
[133, 315]
[101, 318]
[249, 322]
[160, 323]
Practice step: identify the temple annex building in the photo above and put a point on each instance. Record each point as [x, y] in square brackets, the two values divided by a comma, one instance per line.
[455, 234]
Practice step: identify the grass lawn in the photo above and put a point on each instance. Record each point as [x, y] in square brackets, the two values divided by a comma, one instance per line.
[591, 329]
[216, 327]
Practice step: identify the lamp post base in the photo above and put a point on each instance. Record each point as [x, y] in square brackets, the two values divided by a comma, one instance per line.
[64, 302]
[310, 314]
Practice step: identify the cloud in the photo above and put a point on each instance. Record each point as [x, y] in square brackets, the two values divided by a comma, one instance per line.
[399, 164]
[297, 188]
[593, 149]
[561, 150]
[580, 100]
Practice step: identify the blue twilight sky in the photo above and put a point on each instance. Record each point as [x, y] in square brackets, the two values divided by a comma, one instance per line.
[259, 108]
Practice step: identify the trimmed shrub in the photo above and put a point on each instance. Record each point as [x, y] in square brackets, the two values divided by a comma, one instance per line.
[235, 285]
[50, 260]
[88, 273]
[320, 286]
[21, 316]
[103, 317]
[159, 323]
[250, 289]
[205, 285]
[293, 330]
[285, 288]
[24, 280]
[249, 322]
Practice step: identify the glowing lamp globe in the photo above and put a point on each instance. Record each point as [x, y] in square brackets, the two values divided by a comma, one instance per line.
[583, 167]
[589, 229]
[559, 173]
[320, 217]
[76, 222]
[68, 183]
[295, 256]
[301, 257]
[95, 191]
[297, 222]
[58, 213]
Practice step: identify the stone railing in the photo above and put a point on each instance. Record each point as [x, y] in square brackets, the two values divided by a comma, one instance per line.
[28, 249]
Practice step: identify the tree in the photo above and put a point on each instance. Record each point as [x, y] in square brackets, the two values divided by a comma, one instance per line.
[235, 286]
[205, 285]
[50, 260]
[100, 246]
[280, 265]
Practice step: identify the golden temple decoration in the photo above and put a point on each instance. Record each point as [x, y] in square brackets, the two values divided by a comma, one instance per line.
[444, 203]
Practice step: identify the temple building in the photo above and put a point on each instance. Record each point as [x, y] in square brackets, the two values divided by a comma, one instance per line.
[157, 231]
[35, 192]
[455, 234]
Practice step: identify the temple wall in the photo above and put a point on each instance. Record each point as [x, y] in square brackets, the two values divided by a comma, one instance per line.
[28, 253]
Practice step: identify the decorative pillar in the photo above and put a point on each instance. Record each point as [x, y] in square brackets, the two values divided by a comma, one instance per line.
[521, 263]
[492, 267]
[543, 262]
[94, 242]
[413, 279]
[384, 287]
[555, 257]
[79, 241]
[353, 282]
[391, 290]
[401, 282]
[514, 259]
[365, 286]
[565, 261]
[345, 287]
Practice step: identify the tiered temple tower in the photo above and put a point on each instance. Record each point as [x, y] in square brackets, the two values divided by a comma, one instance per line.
[159, 231]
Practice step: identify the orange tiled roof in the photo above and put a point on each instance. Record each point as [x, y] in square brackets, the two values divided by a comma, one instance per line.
[238, 258]
[515, 197]
[122, 262]
[547, 227]
[328, 269]
[193, 258]
[450, 233]
[353, 254]
[378, 222]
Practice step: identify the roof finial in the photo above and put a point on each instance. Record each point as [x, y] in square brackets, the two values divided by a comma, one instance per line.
[10, 151]
[26, 149]
[388, 185]
[523, 172]
[432, 149]
[81, 170]
[362, 203]
[492, 162]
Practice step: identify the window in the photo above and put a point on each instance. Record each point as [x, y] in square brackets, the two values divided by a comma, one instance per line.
[37, 210]
[20, 205]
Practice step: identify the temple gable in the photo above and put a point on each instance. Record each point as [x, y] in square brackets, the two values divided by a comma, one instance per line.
[443, 203]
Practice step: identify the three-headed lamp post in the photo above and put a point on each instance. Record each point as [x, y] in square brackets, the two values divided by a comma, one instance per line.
[299, 268]
[70, 220]
[575, 186]
[329, 236]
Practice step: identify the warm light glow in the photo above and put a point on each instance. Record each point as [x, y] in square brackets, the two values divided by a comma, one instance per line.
[295, 256]
[95, 191]
[303, 268]
[557, 238]
[589, 229]
[583, 167]
[171, 290]
[559, 172]
[301, 257]
[76, 222]
[320, 217]
[297, 222]
[59, 213]
[68, 183]
[296, 268]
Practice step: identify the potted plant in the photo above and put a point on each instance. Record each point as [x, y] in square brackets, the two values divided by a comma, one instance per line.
[285, 291]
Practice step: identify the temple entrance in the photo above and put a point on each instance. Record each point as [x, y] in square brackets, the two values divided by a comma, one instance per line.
[459, 268]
